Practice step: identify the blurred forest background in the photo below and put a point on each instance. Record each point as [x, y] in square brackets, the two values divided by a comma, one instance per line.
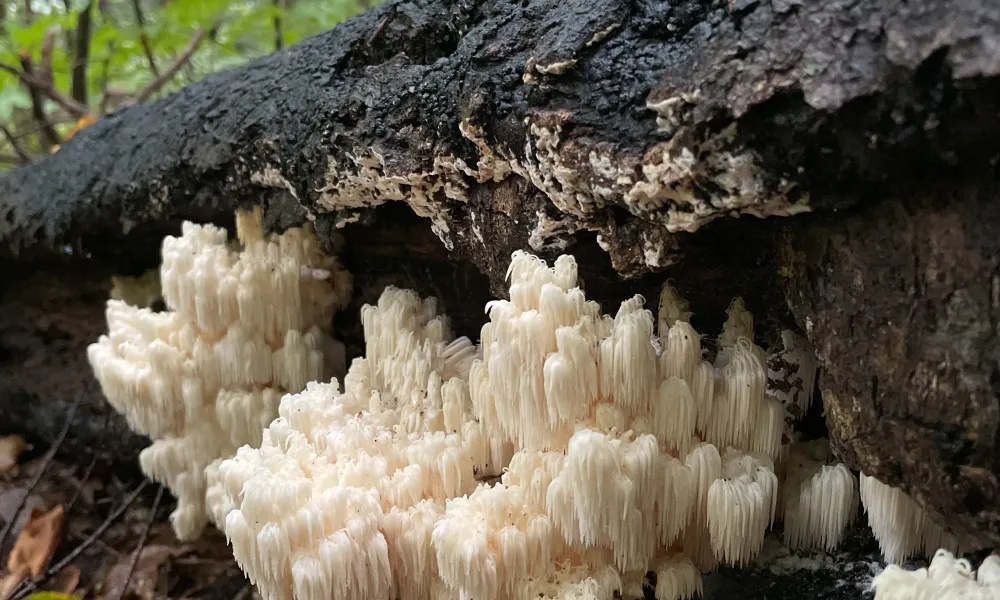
[64, 63]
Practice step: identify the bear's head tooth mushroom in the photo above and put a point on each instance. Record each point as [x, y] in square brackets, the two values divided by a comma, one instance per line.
[945, 578]
[242, 327]
[566, 455]
[818, 500]
[603, 443]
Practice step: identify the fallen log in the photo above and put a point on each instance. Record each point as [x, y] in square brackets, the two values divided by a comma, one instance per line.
[629, 134]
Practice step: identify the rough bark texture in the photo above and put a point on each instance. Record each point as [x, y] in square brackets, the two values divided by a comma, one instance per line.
[612, 129]
[662, 115]
[902, 301]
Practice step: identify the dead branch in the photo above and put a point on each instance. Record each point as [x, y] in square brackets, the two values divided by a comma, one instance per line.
[50, 136]
[142, 541]
[44, 86]
[79, 488]
[81, 54]
[140, 20]
[172, 70]
[23, 157]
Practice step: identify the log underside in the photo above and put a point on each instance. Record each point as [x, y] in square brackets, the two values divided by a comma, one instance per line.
[864, 131]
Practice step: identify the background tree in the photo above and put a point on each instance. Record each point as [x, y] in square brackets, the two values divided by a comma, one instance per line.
[64, 63]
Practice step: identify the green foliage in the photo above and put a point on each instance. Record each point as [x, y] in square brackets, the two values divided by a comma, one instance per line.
[237, 32]
[51, 596]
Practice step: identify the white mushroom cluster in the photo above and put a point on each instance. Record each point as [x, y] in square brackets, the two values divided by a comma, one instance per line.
[901, 526]
[818, 499]
[619, 448]
[947, 578]
[245, 324]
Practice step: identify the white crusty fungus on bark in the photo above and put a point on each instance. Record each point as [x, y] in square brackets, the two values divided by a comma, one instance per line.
[243, 326]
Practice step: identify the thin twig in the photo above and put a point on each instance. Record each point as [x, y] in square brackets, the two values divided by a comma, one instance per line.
[50, 136]
[172, 70]
[9, 525]
[22, 157]
[31, 586]
[83, 482]
[142, 541]
[140, 20]
[45, 86]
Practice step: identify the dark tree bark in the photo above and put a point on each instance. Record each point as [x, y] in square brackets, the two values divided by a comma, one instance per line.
[902, 300]
[81, 54]
[630, 134]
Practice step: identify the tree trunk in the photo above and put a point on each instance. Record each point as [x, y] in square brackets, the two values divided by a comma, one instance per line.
[631, 134]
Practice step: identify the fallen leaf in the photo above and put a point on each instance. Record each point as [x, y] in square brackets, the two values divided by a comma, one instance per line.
[142, 583]
[37, 541]
[10, 581]
[65, 581]
[11, 447]
[51, 596]
[84, 122]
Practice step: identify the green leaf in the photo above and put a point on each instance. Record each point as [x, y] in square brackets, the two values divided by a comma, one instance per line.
[51, 596]
[12, 97]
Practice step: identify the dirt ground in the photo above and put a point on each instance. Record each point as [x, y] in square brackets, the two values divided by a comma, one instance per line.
[63, 510]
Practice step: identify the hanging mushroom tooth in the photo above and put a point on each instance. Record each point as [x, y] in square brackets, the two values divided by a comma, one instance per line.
[671, 309]
[819, 501]
[895, 518]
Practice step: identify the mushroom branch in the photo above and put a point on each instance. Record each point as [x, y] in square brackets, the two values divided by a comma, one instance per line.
[566, 455]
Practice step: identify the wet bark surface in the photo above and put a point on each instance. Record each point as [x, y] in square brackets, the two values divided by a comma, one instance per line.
[902, 302]
[435, 137]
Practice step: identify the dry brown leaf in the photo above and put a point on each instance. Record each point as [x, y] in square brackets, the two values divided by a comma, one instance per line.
[142, 583]
[37, 541]
[85, 121]
[65, 581]
[11, 447]
[10, 581]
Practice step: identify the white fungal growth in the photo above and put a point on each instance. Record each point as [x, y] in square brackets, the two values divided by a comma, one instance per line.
[604, 432]
[945, 578]
[242, 328]
[819, 501]
[901, 526]
[677, 578]
[741, 506]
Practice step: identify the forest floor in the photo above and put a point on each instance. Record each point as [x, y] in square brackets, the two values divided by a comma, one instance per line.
[77, 531]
